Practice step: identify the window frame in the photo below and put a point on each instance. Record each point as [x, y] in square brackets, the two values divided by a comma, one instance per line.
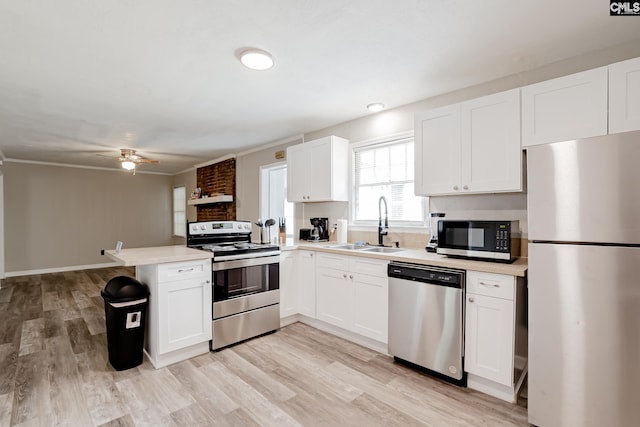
[174, 211]
[380, 142]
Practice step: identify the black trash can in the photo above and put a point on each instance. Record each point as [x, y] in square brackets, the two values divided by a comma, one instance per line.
[125, 306]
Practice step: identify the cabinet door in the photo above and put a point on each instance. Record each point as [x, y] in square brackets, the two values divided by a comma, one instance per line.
[437, 151]
[319, 171]
[288, 283]
[489, 338]
[371, 306]
[184, 315]
[297, 173]
[624, 96]
[565, 108]
[490, 143]
[307, 283]
[334, 293]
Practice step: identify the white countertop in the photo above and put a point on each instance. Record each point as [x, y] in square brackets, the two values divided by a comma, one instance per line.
[157, 255]
[421, 256]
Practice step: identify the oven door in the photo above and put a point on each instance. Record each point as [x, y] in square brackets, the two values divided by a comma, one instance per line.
[237, 278]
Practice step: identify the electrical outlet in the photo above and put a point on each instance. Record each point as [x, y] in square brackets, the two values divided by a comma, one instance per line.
[101, 251]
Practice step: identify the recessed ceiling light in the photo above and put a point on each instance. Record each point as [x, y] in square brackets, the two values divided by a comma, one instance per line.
[256, 59]
[375, 107]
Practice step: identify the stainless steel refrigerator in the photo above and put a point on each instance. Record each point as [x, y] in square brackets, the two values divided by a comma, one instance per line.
[584, 282]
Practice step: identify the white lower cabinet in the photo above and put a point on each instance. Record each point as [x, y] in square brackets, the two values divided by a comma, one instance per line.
[288, 283]
[306, 264]
[491, 327]
[352, 294]
[179, 311]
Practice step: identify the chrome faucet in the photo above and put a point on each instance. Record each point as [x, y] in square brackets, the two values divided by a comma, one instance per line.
[382, 231]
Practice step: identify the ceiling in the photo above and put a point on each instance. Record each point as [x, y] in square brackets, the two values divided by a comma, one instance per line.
[81, 79]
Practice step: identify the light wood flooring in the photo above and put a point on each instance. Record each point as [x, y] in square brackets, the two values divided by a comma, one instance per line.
[54, 371]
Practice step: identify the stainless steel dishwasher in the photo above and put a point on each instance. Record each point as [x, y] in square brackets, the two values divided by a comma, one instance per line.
[426, 318]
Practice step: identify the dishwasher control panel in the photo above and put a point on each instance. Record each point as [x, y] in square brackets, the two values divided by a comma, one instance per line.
[427, 274]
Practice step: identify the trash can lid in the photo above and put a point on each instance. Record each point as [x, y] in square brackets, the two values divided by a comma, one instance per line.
[124, 288]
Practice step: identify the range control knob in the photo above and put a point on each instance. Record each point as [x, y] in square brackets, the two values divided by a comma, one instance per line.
[202, 227]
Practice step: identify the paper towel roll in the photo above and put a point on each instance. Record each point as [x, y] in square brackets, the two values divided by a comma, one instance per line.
[342, 231]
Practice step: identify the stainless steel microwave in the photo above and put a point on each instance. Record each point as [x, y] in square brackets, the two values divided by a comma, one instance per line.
[484, 240]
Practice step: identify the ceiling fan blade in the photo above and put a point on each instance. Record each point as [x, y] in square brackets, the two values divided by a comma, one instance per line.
[146, 161]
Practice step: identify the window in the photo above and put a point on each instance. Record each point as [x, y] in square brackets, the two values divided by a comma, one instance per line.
[179, 214]
[386, 169]
[273, 198]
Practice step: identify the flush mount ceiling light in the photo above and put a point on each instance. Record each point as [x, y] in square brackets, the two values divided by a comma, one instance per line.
[256, 59]
[128, 165]
[375, 107]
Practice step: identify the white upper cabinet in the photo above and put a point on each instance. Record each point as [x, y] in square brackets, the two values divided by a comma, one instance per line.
[437, 150]
[624, 96]
[565, 108]
[471, 147]
[491, 151]
[318, 171]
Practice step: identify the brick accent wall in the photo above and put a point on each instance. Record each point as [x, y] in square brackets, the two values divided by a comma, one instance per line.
[217, 178]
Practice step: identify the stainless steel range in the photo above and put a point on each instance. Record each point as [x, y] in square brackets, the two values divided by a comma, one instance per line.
[245, 277]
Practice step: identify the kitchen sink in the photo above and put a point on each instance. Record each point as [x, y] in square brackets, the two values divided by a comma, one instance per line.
[382, 249]
[350, 247]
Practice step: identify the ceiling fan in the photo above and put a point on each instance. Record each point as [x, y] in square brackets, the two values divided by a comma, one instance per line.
[129, 159]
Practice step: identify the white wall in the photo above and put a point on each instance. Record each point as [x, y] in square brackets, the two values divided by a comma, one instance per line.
[399, 120]
[189, 180]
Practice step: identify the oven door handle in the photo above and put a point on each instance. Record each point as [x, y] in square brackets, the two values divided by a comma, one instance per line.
[246, 256]
[246, 262]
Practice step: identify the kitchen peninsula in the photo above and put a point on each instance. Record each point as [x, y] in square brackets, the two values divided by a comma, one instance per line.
[179, 313]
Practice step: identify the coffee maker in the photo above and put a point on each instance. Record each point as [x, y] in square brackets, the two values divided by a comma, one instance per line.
[320, 230]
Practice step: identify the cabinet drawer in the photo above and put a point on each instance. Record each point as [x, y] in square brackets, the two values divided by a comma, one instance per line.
[490, 284]
[336, 262]
[369, 266]
[184, 270]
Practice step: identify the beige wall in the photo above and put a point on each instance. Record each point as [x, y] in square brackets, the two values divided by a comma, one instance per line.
[248, 181]
[58, 217]
[189, 180]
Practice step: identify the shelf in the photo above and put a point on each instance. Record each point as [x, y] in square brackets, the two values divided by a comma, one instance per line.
[210, 200]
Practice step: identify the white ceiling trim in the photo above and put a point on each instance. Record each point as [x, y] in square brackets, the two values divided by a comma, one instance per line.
[65, 165]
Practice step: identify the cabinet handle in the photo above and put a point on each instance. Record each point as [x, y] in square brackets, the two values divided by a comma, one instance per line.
[344, 276]
[351, 276]
[466, 187]
[310, 254]
[181, 270]
[492, 285]
[207, 282]
[471, 299]
[455, 187]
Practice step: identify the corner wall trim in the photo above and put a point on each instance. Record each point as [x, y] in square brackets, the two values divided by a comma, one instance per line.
[59, 269]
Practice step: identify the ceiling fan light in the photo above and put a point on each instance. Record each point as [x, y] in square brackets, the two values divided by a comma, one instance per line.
[256, 59]
[128, 165]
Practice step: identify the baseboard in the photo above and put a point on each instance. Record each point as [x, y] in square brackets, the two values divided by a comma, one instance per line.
[285, 321]
[372, 344]
[491, 388]
[59, 269]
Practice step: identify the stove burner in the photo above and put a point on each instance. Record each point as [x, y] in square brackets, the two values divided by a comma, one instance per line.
[226, 240]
